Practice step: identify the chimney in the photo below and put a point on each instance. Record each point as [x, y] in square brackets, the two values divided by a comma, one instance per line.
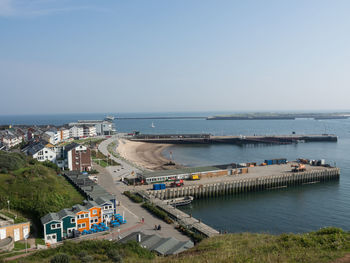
[139, 238]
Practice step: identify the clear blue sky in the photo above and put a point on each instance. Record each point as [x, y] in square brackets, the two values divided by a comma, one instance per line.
[62, 56]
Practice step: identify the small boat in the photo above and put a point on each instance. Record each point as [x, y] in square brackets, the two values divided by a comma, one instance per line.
[109, 118]
[180, 201]
[152, 125]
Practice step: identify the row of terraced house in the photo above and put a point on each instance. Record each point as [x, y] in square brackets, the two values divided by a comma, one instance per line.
[100, 207]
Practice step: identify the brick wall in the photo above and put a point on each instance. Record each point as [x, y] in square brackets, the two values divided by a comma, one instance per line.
[81, 160]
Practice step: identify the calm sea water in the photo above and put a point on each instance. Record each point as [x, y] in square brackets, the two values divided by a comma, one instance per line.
[297, 209]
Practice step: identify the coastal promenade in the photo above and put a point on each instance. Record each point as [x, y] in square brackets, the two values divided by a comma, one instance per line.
[133, 212]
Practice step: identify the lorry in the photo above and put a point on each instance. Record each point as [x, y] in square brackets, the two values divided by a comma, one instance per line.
[177, 183]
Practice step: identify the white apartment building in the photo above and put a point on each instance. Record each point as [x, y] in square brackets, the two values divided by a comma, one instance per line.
[76, 132]
[90, 131]
[52, 137]
[42, 153]
[64, 134]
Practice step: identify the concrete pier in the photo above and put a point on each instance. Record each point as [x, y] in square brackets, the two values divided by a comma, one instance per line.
[242, 184]
[210, 139]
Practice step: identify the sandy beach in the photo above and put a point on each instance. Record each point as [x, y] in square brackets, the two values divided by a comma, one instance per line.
[146, 155]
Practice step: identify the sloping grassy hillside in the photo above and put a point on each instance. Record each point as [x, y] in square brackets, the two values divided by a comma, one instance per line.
[35, 189]
[324, 245]
[94, 251]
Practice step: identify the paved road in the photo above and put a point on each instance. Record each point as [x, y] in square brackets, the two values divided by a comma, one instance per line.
[109, 178]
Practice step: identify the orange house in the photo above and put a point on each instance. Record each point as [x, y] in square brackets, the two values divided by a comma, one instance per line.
[83, 217]
[95, 212]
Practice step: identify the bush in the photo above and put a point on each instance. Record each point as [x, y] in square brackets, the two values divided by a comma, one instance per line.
[60, 258]
[52, 166]
[4, 170]
[93, 171]
[12, 161]
[157, 212]
[114, 255]
[133, 197]
[195, 237]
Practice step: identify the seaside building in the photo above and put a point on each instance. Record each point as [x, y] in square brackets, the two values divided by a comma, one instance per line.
[186, 173]
[161, 245]
[78, 157]
[10, 139]
[90, 131]
[104, 127]
[98, 209]
[52, 136]
[11, 232]
[52, 228]
[76, 132]
[40, 152]
[64, 134]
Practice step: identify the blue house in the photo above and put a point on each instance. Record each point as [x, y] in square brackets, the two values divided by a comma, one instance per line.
[53, 230]
[108, 208]
[69, 222]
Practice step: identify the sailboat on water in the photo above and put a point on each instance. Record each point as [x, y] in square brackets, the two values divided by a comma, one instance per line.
[152, 125]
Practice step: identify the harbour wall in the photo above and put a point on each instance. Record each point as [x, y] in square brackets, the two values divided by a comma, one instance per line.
[242, 185]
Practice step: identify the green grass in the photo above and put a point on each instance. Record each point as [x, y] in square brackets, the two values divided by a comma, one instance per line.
[21, 245]
[102, 160]
[324, 245]
[13, 215]
[39, 241]
[95, 251]
[35, 190]
[321, 246]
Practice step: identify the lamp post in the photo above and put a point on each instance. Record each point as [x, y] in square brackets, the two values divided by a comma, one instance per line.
[8, 205]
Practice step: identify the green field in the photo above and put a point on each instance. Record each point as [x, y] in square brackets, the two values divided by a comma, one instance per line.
[324, 245]
[34, 189]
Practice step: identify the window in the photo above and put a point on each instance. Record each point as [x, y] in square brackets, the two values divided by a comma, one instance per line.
[69, 231]
[45, 151]
[77, 163]
[53, 226]
[94, 212]
[81, 225]
[91, 221]
[50, 156]
[58, 225]
[86, 215]
[110, 207]
[72, 220]
[96, 220]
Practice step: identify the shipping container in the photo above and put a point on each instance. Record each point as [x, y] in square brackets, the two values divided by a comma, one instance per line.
[156, 187]
[162, 186]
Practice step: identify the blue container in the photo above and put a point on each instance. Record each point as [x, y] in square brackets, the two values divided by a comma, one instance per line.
[156, 187]
[268, 162]
[162, 186]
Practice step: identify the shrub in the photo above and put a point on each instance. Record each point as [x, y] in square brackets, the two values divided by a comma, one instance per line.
[12, 161]
[133, 197]
[114, 255]
[157, 212]
[60, 258]
[4, 170]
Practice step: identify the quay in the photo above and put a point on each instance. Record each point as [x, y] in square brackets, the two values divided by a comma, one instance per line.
[179, 216]
[239, 140]
[227, 181]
